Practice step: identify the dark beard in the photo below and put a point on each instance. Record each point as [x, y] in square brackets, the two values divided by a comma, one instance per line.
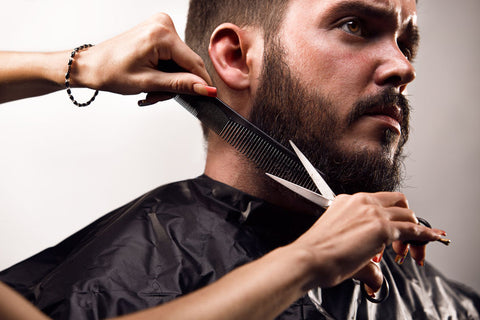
[287, 111]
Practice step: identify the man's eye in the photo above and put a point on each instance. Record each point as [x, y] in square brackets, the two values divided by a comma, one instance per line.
[353, 26]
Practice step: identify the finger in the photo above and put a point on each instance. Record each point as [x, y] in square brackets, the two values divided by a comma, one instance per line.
[401, 214]
[401, 249]
[187, 83]
[418, 254]
[371, 276]
[440, 231]
[408, 231]
[189, 60]
[378, 257]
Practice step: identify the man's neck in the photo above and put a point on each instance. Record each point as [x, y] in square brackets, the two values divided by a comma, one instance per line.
[228, 166]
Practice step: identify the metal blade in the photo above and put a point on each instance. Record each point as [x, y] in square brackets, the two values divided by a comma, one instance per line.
[307, 194]
[316, 177]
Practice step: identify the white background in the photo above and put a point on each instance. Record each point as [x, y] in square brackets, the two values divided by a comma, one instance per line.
[61, 167]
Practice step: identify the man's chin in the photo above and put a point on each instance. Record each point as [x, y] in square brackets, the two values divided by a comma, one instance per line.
[369, 169]
[379, 150]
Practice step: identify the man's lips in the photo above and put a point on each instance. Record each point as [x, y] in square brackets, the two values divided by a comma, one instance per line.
[389, 115]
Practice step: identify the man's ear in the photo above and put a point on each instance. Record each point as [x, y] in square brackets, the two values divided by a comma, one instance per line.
[229, 47]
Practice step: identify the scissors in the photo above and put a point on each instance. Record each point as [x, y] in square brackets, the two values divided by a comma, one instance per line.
[325, 198]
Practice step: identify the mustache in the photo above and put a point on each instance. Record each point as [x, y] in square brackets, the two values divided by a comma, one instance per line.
[386, 99]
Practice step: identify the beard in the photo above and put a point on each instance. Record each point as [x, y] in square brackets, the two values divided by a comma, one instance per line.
[286, 110]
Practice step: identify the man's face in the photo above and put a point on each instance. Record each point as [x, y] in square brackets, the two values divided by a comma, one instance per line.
[333, 82]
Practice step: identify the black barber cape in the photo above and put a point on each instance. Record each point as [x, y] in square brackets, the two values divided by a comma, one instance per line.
[182, 236]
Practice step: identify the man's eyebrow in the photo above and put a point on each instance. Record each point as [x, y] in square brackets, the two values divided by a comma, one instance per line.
[409, 32]
[363, 8]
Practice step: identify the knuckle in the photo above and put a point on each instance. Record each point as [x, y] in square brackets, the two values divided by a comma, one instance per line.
[362, 198]
[412, 217]
[161, 28]
[384, 230]
[163, 18]
[402, 199]
[381, 228]
[400, 196]
[199, 62]
[416, 230]
[372, 212]
[178, 85]
[343, 198]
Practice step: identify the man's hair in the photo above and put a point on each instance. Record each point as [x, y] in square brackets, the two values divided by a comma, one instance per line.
[205, 15]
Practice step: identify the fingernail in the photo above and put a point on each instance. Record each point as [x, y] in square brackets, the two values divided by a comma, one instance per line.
[445, 241]
[399, 259]
[378, 257]
[205, 90]
[143, 103]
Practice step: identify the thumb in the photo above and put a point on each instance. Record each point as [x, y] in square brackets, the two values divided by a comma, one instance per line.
[164, 86]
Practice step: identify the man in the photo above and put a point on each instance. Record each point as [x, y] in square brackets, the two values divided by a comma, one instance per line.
[329, 75]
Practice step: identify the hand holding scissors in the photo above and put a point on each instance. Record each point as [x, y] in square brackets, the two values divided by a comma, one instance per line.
[359, 226]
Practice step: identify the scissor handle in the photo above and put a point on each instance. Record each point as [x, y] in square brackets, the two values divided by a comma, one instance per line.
[385, 290]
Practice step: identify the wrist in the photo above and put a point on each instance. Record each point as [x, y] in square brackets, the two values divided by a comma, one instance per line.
[81, 69]
[49, 67]
[68, 77]
[299, 263]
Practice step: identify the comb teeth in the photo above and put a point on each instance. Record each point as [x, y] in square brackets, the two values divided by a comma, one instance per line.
[264, 155]
[188, 107]
[267, 154]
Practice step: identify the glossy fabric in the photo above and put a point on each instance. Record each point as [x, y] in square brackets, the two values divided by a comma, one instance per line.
[182, 236]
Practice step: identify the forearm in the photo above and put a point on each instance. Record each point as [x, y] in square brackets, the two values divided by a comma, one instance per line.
[259, 290]
[29, 74]
[15, 307]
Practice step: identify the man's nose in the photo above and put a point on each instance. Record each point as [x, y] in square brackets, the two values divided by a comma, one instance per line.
[394, 69]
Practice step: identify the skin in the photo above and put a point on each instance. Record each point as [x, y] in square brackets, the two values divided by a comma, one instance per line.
[133, 54]
[333, 48]
[338, 55]
[356, 227]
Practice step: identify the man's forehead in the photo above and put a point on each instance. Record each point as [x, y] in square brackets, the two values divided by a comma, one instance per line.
[404, 11]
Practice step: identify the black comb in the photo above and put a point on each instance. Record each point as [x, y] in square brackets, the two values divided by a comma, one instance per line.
[268, 154]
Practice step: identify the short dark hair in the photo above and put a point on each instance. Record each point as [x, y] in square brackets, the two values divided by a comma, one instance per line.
[205, 15]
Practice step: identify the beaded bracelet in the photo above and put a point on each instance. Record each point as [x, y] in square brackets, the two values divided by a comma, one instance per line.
[67, 78]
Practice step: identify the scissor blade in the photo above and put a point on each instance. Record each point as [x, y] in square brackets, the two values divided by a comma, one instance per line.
[307, 194]
[316, 177]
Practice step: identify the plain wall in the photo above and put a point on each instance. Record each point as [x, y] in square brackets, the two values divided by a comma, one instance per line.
[61, 167]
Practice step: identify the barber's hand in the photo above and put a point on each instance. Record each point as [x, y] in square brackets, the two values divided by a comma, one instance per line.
[356, 228]
[127, 63]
